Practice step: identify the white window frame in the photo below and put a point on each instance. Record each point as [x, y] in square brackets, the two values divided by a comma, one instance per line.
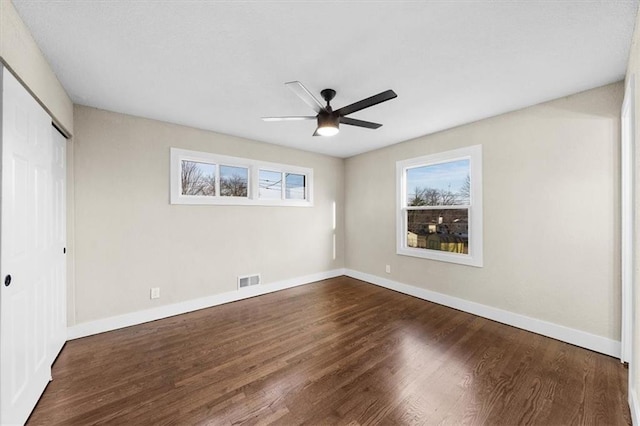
[283, 170]
[474, 155]
[254, 166]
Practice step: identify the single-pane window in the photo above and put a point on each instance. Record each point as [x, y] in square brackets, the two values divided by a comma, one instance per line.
[198, 178]
[270, 185]
[295, 186]
[233, 181]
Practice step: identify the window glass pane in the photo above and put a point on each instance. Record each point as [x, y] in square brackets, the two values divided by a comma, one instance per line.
[444, 230]
[198, 178]
[233, 181]
[270, 185]
[444, 184]
[295, 186]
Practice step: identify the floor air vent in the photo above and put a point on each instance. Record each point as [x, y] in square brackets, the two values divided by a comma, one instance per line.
[248, 280]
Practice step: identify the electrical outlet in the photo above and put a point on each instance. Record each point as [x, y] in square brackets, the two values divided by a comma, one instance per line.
[155, 292]
[387, 269]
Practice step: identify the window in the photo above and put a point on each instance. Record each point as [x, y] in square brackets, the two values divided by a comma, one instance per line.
[270, 187]
[205, 178]
[439, 214]
[198, 178]
[295, 186]
[233, 181]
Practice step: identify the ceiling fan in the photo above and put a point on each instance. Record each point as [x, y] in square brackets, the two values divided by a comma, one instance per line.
[328, 119]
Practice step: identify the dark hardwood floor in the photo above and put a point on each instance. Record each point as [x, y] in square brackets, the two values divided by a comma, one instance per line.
[339, 351]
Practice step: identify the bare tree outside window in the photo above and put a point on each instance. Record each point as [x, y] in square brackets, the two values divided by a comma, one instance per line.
[465, 190]
[198, 178]
[233, 186]
[233, 181]
[425, 196]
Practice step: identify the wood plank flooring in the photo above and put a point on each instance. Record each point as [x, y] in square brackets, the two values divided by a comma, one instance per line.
[339, 351]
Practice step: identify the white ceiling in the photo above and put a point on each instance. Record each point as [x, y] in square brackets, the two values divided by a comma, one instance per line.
[221, 65]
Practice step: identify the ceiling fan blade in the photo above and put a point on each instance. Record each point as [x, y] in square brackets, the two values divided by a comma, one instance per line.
[304, 94]
[359, 123]
[290, 118]
[366, 103]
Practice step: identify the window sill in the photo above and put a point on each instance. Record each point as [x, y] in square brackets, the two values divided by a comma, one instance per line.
[442, 256]
[237, 201]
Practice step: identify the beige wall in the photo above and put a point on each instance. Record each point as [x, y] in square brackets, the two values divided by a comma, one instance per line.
[551, 207]
[128, 238]
[20, 53]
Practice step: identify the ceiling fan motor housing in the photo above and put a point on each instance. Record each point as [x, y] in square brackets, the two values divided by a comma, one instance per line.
[328, 95]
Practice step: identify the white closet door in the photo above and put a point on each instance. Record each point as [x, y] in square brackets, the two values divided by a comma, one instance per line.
[27, 252]
[58, 300]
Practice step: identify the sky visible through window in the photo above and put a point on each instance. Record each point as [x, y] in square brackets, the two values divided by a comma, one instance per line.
[206, 169]
[270, 184]
[295, 186]
[445, 177]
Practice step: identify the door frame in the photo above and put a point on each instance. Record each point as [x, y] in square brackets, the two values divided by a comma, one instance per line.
[627, 204]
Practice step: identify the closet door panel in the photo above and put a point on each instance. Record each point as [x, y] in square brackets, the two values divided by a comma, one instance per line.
[58, 297]
[26, 252]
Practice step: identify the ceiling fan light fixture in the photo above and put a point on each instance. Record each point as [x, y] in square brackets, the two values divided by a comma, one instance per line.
[328, 125]
[328, 131]
[328, 119]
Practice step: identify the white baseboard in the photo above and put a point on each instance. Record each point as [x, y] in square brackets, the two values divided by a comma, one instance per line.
[634, 407]
[558, 332]
[139, 317]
